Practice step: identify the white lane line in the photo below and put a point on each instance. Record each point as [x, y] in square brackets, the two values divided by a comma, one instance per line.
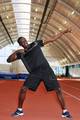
[70, 79]
[71, 86]
[71, 95]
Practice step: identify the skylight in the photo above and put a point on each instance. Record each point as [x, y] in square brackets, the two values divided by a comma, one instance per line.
[22, 15]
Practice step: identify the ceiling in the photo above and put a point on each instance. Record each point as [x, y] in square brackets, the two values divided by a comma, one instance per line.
[44, 19]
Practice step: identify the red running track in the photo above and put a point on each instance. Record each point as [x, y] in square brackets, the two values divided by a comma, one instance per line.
[39, 105]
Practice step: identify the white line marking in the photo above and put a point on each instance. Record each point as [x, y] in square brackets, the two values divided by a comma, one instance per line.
[70, 79]
[71, 95]
[71, 86]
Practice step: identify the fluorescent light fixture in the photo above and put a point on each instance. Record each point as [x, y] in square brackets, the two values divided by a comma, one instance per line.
[73, 12]
[7, 17]
[65, 22]
[63, 60]
[34, 18]
[11, 29]
[36, 9]
[56, 33]
[60, 28]
[34, 24]
[21, 21]
[23, 26]
[79, 53]
[22, 9]
[32, 33]
[33, 30]
[22, 15]
[21, 1]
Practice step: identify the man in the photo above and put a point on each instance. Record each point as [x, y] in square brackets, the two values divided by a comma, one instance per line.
[39, 70]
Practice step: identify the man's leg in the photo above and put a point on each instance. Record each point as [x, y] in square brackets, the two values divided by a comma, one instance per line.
[65, 112]
[21, 98]
[60, 98]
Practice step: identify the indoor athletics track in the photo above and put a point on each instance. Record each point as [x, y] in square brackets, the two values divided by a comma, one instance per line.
[39, 105]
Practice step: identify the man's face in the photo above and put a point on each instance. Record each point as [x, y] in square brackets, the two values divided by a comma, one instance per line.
[23, 42]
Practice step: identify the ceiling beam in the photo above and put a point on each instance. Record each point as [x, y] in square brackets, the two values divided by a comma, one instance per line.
[44, 12]
[6, 29]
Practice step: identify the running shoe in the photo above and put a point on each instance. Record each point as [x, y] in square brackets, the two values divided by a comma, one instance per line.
[18, 113]
[66, 115]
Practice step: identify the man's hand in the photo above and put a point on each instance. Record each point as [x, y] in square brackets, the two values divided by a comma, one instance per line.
[13, 56]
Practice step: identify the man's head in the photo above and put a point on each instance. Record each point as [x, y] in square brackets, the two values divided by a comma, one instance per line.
[22, 42]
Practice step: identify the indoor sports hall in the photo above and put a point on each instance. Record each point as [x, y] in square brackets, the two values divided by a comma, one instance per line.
[55, 24]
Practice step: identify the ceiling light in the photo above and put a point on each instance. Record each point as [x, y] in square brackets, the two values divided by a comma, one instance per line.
[36, 9]
[23, 25]
[79, 53]
[11, 29]
[34, 24]
[65, 22]
[63, 60]
[4, 8]
[77, 3]
[56, 33]
[33, 30]
[60, 28]
[7, 17]
[34, 18]
[73, 12]
[32, 34]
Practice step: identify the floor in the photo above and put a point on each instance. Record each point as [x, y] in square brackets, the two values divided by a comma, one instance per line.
[39, 105]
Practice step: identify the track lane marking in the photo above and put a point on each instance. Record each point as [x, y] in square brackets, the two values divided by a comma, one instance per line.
[71, 95]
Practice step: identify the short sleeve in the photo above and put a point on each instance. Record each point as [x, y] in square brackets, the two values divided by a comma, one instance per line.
[40, 43]
[18, 55]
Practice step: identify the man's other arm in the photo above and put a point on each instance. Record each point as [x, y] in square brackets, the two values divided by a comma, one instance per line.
[55, 37]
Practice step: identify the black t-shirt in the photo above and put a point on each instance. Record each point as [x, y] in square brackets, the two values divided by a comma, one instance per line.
[33, 57]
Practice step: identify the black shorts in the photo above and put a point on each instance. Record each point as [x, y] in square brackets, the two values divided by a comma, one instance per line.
[40, 74]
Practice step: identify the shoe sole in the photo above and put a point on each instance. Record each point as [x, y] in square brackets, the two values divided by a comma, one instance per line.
[17, 115]
[67, 117]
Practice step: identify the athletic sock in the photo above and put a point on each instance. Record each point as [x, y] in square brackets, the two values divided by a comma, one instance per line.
[20, 109]
[65, 110]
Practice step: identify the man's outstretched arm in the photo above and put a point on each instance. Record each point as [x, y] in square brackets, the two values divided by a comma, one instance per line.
[13, 56]
[57, 36]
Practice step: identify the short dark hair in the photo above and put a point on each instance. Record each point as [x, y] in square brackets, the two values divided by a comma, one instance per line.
[19, 39]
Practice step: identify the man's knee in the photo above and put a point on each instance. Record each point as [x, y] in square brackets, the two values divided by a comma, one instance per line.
[23, 89]
[58, 90]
